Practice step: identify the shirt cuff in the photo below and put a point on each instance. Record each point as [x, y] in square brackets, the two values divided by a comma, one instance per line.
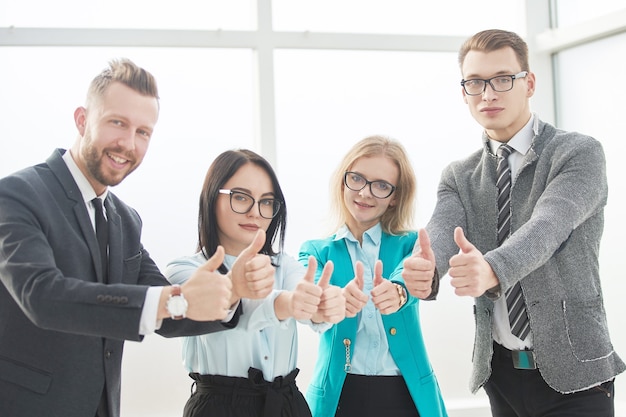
[149, 323]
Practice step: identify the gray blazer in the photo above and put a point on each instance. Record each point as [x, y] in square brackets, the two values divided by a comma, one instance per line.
[61, 327]
[557, 221]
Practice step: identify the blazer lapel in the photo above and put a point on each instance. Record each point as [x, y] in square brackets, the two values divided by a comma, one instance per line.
[60, 170]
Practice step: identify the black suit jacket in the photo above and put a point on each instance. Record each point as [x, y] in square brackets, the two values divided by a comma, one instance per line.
[61, 328]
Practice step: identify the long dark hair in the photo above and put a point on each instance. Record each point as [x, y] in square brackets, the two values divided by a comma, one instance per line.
[220, 171]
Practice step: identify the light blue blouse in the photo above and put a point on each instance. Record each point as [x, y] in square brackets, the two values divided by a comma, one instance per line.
[371, 351]
[259, 340]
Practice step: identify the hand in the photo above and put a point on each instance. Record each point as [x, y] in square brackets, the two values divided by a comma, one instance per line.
[353, 293]
[207, 292]
[471, 274]
[252, 273]
[384, 294]
[332, 307]
[306, 297]
[419, 268]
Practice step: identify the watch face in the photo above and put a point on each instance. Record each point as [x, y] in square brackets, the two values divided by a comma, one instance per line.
[177, 305]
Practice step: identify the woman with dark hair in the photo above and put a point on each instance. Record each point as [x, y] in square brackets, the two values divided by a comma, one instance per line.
[251, 369]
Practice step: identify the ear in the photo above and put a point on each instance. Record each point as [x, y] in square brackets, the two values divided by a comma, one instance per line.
[80, 119]
[531, 83]
[464, 95]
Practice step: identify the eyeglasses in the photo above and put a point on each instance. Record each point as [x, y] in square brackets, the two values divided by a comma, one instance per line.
[379, 189]
[501, 83]
[242, 203]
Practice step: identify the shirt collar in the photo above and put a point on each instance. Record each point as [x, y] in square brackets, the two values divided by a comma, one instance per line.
[86, 190]
[374, 234]
[522, 140]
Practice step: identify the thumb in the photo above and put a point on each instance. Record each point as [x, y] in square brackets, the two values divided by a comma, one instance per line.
[426, 251]
[310, 270]
[214, 261]
[326, 273]
[378, 272]
[255, 246]
[358, 278]
[462, 242]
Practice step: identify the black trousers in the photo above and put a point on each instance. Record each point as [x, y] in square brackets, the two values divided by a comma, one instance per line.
[375, 396]
[226, 396]
[523, 393]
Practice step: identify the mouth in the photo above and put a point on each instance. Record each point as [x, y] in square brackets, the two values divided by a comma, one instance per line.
[249, 226]
[362, 205]
[118, 160]
[491, 110]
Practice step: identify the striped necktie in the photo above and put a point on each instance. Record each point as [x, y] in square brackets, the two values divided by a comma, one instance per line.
[518, 318]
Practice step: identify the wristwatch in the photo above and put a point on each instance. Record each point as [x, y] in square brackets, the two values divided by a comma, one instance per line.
[176, 304]
[401, 293]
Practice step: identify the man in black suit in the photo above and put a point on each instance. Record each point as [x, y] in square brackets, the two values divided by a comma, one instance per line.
[64, 312]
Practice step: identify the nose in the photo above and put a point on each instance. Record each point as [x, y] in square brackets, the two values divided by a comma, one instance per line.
[127, 139]
[489, 93]
[366, 191]
[255, 211]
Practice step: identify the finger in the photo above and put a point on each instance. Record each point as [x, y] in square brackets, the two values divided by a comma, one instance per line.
[378, 273]
[326, 273]
[214, 261]
[255, 246]
[310, 270]
[359, 275]
[462, 242]
[424, 242]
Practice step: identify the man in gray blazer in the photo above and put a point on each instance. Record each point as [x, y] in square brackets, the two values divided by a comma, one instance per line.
[563, 364]
[64, 313]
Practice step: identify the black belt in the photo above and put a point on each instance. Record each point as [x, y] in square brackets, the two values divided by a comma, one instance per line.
[522, 359]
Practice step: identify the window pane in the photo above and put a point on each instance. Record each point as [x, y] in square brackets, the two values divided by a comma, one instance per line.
[140, 14]
[570, 12]
[398, 16]
[206, 108]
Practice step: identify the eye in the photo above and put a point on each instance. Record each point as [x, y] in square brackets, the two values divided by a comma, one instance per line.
[502, 80]
[382, 185]
[267, 202]
[473, 83]
[356, 178]
[241, 197]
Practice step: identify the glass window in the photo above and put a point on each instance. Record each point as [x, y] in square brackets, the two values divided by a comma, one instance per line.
[571, 12]
[206, 108]
[444, 17]
[139, 14]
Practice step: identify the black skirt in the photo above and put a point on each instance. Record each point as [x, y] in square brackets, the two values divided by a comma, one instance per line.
[226, 396]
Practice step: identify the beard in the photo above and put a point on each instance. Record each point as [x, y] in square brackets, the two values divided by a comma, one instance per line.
[93, 162]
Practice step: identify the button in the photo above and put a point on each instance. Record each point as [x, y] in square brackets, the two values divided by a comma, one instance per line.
[393, 331]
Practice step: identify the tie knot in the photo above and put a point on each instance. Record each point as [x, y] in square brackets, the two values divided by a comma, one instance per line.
[504, 151]
[97, 204]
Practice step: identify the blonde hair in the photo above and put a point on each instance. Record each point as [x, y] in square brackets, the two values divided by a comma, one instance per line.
[397, 219]
[126, 72]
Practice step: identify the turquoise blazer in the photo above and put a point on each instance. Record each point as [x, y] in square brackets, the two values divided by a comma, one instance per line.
[402, 328]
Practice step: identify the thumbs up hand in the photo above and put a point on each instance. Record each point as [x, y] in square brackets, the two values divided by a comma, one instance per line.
[252, 273]
[470, 273]
[305, 298]
[207, 292]
[353, 293]
[384, 294]
[419, 268]
[332, 307]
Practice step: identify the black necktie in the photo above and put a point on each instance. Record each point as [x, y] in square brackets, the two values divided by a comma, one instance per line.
[518, 318]
[102, 233]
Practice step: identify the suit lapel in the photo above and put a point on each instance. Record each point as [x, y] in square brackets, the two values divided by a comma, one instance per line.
[75, 198]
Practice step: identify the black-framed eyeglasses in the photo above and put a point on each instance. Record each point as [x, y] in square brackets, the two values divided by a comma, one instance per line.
[242, 203]
[500, 83]
[379, 189]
